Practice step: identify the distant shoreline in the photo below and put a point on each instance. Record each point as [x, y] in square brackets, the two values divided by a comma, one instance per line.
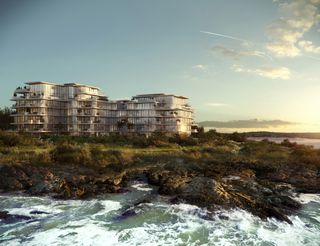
[309, 135]
[273, 134]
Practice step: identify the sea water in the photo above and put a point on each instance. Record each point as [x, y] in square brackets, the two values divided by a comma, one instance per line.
[152, 221]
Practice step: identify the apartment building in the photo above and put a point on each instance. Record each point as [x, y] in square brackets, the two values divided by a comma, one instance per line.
[75, 109]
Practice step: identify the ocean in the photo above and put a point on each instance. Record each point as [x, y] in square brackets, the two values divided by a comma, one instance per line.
[306, 141]
[111, 220]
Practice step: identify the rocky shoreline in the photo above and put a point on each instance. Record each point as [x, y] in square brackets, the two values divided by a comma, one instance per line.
[264, 193]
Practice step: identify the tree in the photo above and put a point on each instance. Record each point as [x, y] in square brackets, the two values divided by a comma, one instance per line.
[5, 118]
[124, 125]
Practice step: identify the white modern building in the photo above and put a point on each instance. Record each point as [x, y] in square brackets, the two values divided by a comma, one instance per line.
[75, 109]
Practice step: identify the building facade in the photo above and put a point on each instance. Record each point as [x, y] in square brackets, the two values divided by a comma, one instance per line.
[75, 109]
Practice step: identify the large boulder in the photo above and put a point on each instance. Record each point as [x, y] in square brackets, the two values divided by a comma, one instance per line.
[205, 191]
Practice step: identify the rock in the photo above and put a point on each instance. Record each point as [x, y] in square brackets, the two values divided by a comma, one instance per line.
[204, 191]
[14, 178]
[204, 183]
[223, 217]
[173, 184]
[7, 218]
[38, 212]
[81, 192]
[126, 214]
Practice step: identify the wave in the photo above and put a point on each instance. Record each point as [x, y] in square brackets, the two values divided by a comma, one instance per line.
[91, 222]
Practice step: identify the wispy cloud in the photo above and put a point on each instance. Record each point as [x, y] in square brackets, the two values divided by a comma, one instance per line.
[274, 72]
[283, 73]
[236, 54]
[213, 104]
[200, 67]
[254, 123]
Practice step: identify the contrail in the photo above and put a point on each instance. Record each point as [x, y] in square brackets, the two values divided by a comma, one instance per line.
[224, 36]
[260, 53]
[247, 42]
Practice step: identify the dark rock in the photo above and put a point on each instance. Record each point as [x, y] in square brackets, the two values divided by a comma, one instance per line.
[223, 217]
[126, 214]
[204, 183]
[38, 212]
[205, 192]
[7, 218]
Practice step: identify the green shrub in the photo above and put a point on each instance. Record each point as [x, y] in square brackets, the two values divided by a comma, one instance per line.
[66, 153]
[237, 137]
[305, 155]
[99, 156]
[10, 139]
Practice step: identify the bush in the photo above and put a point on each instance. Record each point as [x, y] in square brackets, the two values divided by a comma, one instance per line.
[99, 156]
[265, 151]
[289, 144]
[184, 140]
[237, 137]
[71, 153]
[302, 155]
[5, 118]
[10, 139]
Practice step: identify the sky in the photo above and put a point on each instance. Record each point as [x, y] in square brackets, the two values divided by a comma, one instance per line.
[235, 60]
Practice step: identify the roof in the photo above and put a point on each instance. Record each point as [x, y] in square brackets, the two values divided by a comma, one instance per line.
[159, 94]
[40, 82]
[65, 85]
[80, 85]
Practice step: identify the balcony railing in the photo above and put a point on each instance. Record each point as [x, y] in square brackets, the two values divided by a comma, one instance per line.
[22, 89]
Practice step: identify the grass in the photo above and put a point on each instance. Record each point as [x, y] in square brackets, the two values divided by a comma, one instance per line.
[208, 147]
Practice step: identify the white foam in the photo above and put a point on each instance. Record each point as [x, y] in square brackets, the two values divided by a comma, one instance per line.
[158, 224]
[141, 187]
[306, 198]
[284, 234]
[88, 234]
[108, 206]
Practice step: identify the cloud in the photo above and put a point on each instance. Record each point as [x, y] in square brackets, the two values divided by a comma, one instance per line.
[274, 73]
[234, 54]
[254, 123]
[281, 49]
[267, 72]
[217, 104]
[200, 67]
[308, 47]
[284, 34]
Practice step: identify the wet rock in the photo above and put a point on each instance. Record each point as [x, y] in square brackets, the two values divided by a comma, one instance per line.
[204, 191]
[38, 212]
[223, 217]
[81, 192]
[126, 215]
[206, 184]
[63, 182]
[242, 192]
[14, 178]
[7, 218]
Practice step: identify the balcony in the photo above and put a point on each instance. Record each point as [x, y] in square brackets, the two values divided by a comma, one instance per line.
[16, 97]
[36, 96]
[40, 130]
[25, 89]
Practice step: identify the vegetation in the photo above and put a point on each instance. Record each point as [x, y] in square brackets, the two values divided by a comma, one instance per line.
[225, 149]
[5, 118]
